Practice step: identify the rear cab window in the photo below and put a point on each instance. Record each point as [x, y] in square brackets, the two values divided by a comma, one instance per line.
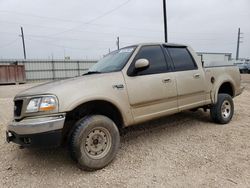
[182, 59]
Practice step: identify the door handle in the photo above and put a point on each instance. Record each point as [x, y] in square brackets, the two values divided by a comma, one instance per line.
[197, 76]
[167, 80]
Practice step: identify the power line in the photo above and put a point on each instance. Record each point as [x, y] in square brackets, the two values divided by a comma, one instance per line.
[214, 39]
[63, 46]
[34, 37]
[100, 33]
[41, 17]
[9, 43]
[96, 18]
[81, 39]
[93, 24]
[65, 38]
[128, 35]
[122, 27]
[9, 33]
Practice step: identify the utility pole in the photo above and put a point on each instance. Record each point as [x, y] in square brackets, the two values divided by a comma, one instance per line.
[238, 44]
[165, 21]
[118, 43]
[24, 51]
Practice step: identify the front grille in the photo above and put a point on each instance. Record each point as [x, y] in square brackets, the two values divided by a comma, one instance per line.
[18, 107]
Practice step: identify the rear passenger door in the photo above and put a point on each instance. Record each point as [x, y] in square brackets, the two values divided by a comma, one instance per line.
[190, 79]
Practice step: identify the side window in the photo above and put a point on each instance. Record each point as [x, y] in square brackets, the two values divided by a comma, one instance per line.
[155, 57]
[181, 58]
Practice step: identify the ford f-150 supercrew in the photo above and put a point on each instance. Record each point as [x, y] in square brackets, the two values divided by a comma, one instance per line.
[128, 86]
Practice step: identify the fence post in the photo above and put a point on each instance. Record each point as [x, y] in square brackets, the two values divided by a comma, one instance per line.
[78, 68]
[53, 70]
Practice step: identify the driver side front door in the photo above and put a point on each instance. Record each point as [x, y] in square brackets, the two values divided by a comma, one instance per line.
[152, 92]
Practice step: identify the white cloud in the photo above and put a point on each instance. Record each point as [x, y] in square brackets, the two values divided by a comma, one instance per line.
[206, 25]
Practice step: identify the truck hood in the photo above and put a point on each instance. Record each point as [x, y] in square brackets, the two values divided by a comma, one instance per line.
[69, 86]
[76, 91]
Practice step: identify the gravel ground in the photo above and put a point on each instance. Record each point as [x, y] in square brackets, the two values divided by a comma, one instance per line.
[183, 150]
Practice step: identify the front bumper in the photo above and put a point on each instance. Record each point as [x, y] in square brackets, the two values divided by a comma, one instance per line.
[47, 139]
[37, 132]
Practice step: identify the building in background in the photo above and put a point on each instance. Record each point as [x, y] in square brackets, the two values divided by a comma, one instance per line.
[215, 59]
[219, 59]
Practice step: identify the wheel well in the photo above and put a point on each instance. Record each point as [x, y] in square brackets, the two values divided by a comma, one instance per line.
[226, 88]
[93, 107]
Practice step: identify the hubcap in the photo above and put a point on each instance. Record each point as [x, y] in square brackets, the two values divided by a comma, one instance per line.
[226, 109]
[98, 143]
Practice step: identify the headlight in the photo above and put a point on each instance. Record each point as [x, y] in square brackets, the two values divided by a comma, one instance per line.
[33, 105]
[42, 104]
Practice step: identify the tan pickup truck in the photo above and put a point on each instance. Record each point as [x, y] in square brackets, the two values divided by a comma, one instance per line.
[129, 86]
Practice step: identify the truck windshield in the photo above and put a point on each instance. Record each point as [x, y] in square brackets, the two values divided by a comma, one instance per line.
[113, 62]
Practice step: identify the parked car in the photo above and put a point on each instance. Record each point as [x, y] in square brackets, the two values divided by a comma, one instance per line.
[248, 67]
[243, 66]
[129, 86]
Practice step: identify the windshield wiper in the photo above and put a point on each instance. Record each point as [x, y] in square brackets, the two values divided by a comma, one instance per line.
[92, 72]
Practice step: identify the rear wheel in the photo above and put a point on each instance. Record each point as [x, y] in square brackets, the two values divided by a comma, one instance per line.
[222, 112]
[94, 142]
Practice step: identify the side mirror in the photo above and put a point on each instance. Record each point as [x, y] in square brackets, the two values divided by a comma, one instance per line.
[141, 64]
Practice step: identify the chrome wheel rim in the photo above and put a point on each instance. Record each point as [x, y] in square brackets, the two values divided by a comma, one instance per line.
[226, 109]
[98, 143]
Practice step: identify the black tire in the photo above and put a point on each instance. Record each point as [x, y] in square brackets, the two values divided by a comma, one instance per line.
[222, 112]
[94, 142]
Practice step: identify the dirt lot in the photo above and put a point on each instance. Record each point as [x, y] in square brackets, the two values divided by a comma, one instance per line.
[184, 150]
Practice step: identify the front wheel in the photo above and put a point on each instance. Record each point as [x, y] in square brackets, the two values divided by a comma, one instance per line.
[94, 142]
[222, 112]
